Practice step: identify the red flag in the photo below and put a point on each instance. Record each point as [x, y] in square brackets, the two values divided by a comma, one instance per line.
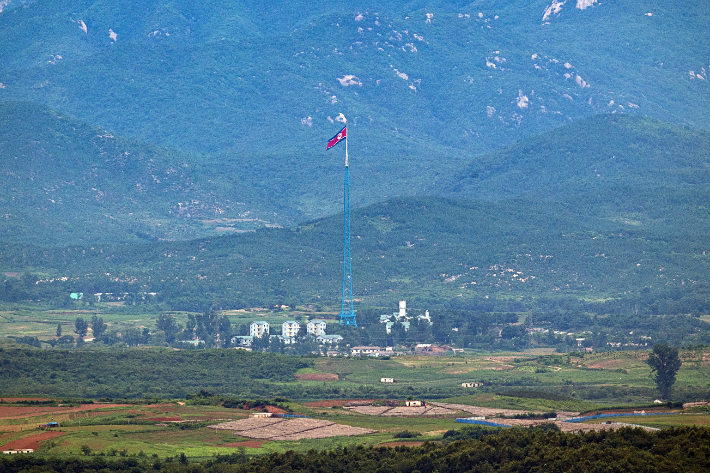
[342, 134]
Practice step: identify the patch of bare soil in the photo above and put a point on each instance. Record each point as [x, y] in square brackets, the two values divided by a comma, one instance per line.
[341, 402]
[608, 364]
[318, 376]
[275, 410]
[32, 441]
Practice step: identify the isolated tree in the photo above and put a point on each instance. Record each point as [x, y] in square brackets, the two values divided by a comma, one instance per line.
[664, 363]
[59, 330]
[132, 336]
[80, 327]
[190, 326]
[166, 323]
[225, 332]
[98, 326]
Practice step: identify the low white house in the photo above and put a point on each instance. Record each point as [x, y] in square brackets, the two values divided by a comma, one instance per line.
[471, 385]
[259, 328]
[287, 340]
[316, 327]
[290, 328]
[386, 380]
[329, 339]
[242, 340]
[413, 403]
[371, 351]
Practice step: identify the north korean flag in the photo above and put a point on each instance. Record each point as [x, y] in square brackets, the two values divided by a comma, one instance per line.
[342, 134]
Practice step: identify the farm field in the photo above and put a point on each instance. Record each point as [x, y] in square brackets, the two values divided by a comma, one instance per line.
[30, 322]
[171, 428]
[345, 402]
[666, 421]
[574, 382]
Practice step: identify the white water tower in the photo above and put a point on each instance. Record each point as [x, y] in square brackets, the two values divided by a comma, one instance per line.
[402, 309]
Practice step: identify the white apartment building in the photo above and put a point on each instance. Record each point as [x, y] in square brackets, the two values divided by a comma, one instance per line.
[289, 329]
[316, 327]
[259, 329]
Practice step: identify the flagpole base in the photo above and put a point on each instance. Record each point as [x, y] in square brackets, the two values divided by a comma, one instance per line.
[348, 319]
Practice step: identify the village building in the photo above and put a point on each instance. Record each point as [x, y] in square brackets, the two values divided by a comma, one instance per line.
[401, 316]
[329, 339]
[242, 340]
[259, 329]
[386, 380]
[316, 327]
[371, 351]
[471, 385]
[290, 328]
[286, 340]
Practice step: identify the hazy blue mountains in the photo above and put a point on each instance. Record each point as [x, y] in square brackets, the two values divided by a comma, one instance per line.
[63, 181]
[428, 86]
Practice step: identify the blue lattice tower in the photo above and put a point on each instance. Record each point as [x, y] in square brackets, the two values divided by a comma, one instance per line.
[347, 312]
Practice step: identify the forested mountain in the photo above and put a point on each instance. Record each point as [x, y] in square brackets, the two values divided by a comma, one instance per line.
[427, 86]
[180, 120]
[634, 170]
[64, 181]
[483, 256]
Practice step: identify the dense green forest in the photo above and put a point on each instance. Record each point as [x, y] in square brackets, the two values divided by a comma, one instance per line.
[139, 373]
[464, 255]
[513, 450]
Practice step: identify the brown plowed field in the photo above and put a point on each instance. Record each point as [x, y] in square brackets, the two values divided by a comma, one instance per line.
[318, 376]
[9, 412]
[32, 441]
[246, 444]
[340, 402]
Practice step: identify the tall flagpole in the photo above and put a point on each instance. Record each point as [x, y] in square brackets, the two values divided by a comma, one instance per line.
[347, 312]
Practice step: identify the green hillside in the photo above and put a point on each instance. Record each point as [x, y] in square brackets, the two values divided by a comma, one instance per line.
[551, 217]
[426, 85]
[64, 181]
[501, 255]
[635, 170]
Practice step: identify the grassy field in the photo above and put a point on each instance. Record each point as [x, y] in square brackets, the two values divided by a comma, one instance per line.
[127, 431]
[169, 429]
[665, 421]
[28, 322]
[526, 381]
[501, 372]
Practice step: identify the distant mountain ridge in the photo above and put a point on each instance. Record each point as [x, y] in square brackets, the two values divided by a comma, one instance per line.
[62, 181]
[426, 86]
[606, 165]
[505, 255]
